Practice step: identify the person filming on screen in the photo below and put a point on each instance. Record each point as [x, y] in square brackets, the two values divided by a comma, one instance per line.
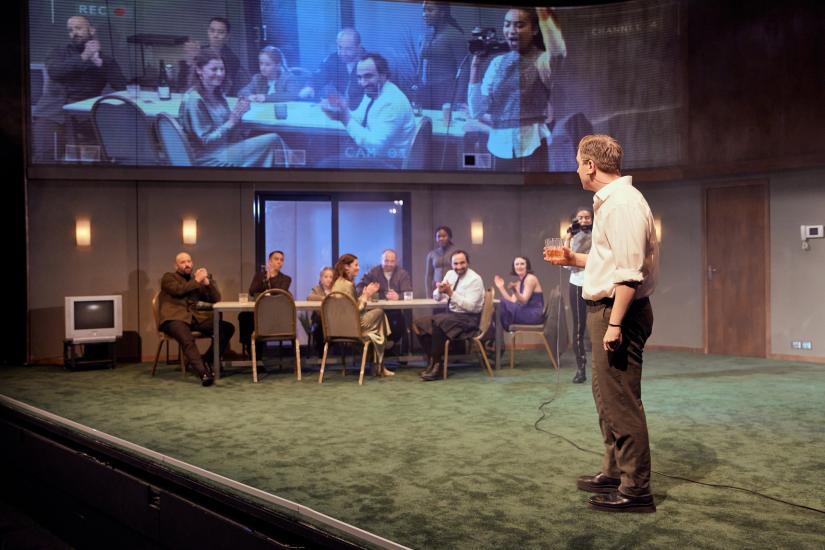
[513, 96]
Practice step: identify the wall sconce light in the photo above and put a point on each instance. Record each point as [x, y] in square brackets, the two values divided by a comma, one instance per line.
[477, 232]
[657, 224]
[564, 225]
[83, 232]
[190, 231]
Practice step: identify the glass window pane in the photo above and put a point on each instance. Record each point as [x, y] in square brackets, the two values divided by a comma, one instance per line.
[367, 228]
[303, 231]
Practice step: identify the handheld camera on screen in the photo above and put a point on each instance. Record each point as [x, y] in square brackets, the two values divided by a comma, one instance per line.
[484, 42]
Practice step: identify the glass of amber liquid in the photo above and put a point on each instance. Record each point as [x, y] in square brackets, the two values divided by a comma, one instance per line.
[553, 248]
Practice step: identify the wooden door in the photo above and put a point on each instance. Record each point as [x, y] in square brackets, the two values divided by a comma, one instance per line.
[737, 253]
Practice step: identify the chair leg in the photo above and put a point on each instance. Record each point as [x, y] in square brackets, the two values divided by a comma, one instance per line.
[254, 361]
[323, 363]
[446, 357]
[513, 349]
[549, 352]
[363, 363]
[486, 361]
[157, 356]
[297, 358]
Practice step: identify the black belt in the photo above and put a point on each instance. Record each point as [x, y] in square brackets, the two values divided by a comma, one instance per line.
[609, 302]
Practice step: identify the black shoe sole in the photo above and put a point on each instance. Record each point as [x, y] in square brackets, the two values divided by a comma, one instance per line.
[635, 508]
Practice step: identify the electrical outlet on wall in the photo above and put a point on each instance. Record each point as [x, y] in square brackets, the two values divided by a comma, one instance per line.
[796, 344]
[807, 344]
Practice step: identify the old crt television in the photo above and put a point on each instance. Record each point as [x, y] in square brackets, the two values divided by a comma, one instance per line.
[94, 318]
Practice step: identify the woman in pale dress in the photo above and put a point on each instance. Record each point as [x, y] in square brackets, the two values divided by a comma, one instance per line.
[373, 322]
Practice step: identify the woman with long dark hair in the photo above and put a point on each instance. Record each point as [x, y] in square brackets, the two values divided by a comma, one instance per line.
[525, 304]
[213, 129]
[512, 99]
[373, 322]
[579, 241]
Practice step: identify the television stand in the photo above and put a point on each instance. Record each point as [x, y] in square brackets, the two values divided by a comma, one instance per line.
[89, 355]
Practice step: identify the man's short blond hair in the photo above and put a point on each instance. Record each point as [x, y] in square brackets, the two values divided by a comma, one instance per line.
[604, 151]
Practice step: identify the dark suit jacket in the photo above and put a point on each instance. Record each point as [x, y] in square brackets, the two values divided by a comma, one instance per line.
[399, 282]
[179, 296]
[260, 283]
[333, 72]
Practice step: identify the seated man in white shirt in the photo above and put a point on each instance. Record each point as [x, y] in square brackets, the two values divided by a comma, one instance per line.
[382, 127]
[463, 290]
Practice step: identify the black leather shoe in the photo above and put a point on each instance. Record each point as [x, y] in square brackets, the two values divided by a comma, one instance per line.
[428, 368]
[436, 373]
[598, 483]
[579, 379]
[619, 502]
[207, 379]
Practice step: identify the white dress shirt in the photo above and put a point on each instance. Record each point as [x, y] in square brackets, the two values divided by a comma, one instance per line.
[624, 248]
[390, 125]
[505, 143]
[468, 294]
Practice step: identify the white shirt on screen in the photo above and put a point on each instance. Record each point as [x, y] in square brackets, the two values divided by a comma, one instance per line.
[390, 124]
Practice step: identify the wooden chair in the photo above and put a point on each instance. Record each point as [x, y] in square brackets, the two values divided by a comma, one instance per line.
[164, 338]
[342, 323]
[533, 329]
[483, 326]
[276, 318]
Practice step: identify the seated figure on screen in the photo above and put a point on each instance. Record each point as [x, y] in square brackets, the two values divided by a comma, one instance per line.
[179, 314]
[393, 281]
[276, 81]
[317, 294]
[214, 129]
[337, 71]
[463, 291]
[262, 281]
[513, 98]
[382, 127]
[218, 34]
[75, 71]
[440, 52]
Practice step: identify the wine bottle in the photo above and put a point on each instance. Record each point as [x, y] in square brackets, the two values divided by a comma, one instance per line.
[164, 92]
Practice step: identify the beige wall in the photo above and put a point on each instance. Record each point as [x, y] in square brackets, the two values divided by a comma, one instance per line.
[136, 233]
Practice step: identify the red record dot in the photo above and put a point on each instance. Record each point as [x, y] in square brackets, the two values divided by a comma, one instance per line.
[120, 12]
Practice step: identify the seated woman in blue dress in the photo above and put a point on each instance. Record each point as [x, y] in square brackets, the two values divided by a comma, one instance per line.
[276, 81]
[214, 130]
[525, 305]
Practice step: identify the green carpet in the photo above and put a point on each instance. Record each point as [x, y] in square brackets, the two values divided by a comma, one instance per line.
[458, 464]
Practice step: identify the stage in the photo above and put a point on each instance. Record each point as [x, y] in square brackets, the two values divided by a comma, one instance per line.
[461, 464]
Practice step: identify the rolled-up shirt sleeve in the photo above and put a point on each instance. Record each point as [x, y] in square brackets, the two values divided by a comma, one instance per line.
[628, 240]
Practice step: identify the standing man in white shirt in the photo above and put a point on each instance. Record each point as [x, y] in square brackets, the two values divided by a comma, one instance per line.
[463, 290]
[620, 274]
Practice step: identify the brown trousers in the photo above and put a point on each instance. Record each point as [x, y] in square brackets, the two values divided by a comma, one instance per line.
[617, 390]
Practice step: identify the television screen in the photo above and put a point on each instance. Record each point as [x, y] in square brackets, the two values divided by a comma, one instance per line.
[353, 84]
[94, 315]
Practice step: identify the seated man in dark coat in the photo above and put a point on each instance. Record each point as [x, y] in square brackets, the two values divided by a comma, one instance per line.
[393, 281]
[179, 314]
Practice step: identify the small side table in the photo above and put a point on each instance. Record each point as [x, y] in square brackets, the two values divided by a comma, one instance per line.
[89, 355]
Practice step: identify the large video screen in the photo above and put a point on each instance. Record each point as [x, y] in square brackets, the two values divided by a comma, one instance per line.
[352, 84]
